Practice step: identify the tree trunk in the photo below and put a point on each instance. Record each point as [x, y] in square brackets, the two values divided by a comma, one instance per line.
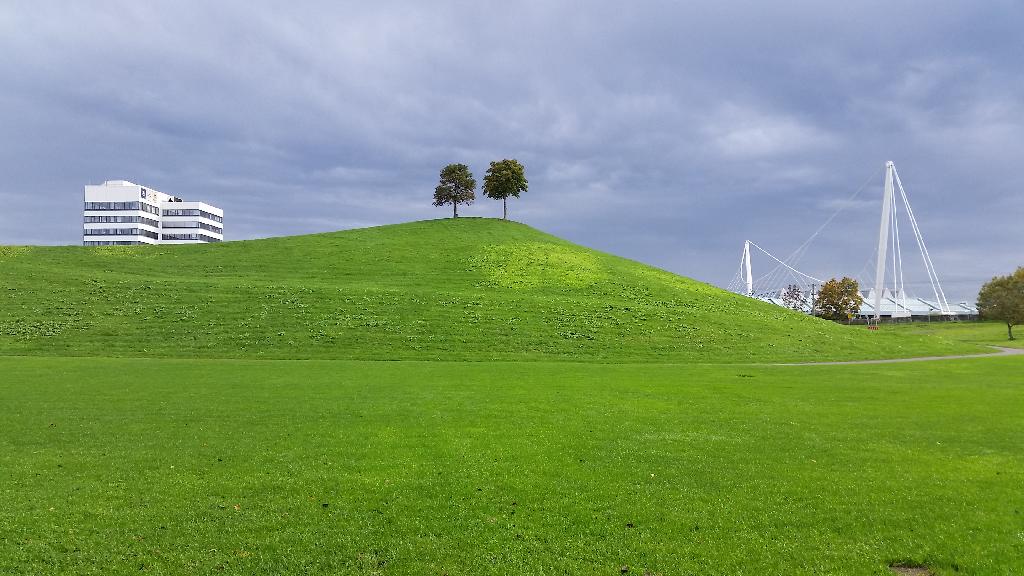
[1009, 330]
[504, 205]
[455, 209]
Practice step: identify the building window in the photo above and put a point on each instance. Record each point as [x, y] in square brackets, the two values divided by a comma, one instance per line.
[193, 224]
[121, 220]
[192, 212]
[121, 232]
[111, 205]
[193, 237]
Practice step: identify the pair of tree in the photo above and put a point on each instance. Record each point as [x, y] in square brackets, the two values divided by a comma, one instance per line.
[1002, 298]
[504, 179]
[838, 299]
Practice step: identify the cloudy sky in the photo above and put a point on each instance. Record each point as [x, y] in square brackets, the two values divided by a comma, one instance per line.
[664, 131]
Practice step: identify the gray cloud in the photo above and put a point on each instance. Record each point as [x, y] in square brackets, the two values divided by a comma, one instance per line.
[663, 131]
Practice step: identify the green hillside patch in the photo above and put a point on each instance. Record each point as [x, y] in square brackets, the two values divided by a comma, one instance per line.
[533, 265]
[466, 289]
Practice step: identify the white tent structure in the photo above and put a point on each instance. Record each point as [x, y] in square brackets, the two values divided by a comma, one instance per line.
[891, 223]
[888, 298]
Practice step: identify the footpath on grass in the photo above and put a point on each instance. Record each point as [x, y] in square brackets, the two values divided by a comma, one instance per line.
[1000, 351]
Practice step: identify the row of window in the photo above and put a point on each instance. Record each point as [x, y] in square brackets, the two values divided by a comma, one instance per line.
[146, 233]
[151, 222]
[190, 224]
[192, 212]
[202, 237]
[112, 243]
[122, 220]
[121, 232]
[122, 206]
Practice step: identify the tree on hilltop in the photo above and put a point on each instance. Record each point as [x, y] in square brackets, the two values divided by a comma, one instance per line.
[456, 187]
[1002, 298]
[839, 299]
[505, 178]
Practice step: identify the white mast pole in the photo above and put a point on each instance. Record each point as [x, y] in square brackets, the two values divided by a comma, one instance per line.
[746, 263]
[933, 276]
[883, 239]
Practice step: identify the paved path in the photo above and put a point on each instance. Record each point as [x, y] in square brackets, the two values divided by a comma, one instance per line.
[1002, 351]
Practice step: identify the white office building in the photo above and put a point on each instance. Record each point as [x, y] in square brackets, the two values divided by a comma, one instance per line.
[121, 213]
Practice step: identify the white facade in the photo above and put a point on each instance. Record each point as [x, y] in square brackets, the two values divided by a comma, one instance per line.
[122, 213]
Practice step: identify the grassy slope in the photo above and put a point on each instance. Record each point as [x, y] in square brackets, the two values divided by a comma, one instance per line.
[980, 333]
[468, 289]
[512, 468]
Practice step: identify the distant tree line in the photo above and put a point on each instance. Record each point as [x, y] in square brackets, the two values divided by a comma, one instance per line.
[504, 179]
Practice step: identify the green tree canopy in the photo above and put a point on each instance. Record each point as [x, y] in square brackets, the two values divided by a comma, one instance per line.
[838, 299]
[505, 178]
[457, 186]
[1002, 298]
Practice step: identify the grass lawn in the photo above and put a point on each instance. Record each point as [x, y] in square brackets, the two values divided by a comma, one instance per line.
[983, 333]
[344, 467]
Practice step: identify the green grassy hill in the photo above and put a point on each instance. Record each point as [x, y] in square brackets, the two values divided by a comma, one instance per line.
[466, 289]
[243, 464]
